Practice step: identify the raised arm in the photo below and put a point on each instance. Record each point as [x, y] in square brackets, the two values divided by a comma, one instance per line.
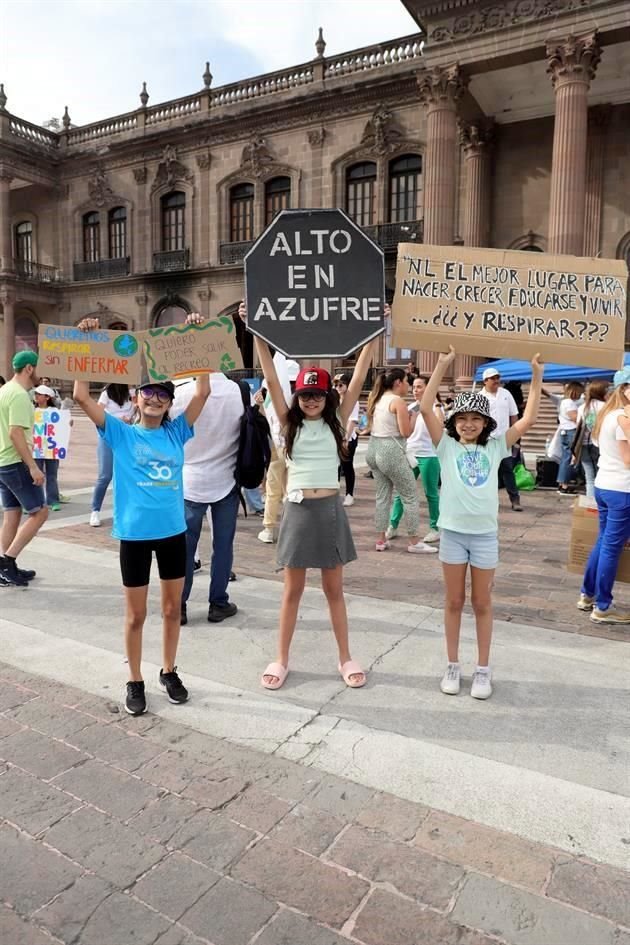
[359, 374]
[81, 392]
[527, 421]
[269, 370]
[202, 384]
[435, 426]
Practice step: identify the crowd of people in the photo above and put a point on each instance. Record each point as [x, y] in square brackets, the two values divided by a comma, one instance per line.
[172, 453]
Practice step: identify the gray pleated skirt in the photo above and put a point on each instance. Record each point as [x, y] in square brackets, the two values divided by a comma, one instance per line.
[315, 533]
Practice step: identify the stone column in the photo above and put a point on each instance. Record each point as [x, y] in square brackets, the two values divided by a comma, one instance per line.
[571, 64]
[476, 140]
[440, 91]
[598, 120]
[6, 254]
[8, 307]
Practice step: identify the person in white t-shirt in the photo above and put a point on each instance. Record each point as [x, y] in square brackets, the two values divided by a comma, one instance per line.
[586, 452]
[420, 447]
[117, 399]
[567, 407]
[209, 467]
[612, 494]
[504, 412]
[340, 383]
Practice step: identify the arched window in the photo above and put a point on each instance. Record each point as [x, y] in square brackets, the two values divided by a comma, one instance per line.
[530, 248]
[91, 237]
[277, 197]
[117, 220]
[173, 221]
[25, 332]
[241, 213]
[170, 314]
[405, 188]
[118, 326]
[361, 193]
[24, 244]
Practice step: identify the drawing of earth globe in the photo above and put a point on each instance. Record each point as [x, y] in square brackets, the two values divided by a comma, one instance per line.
[126, 346]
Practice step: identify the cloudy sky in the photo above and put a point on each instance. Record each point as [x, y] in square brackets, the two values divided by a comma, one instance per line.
[93, 55]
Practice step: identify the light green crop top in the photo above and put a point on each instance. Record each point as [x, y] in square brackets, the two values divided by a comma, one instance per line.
[315, 459]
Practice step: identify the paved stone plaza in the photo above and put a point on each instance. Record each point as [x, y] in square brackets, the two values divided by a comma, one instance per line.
[391, 815]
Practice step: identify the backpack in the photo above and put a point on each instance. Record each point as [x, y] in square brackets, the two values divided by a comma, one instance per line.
[254, 445]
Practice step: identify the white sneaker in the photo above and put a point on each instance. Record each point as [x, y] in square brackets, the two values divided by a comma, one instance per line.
[585, 602]
[431, 536]
[95, 519]
[421, 549]
[481, 686]
[391, 533]
[267, 536]
[451, 680]
[349, 500]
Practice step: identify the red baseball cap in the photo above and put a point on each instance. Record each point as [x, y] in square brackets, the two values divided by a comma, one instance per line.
[313, 380]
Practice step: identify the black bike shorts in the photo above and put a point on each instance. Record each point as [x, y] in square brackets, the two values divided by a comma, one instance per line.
[136, 556]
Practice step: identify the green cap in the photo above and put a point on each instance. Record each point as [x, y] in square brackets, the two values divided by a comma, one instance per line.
[22, 358]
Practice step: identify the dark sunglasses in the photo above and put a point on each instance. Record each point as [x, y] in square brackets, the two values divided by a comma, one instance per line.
[312, 396]
[149, 392]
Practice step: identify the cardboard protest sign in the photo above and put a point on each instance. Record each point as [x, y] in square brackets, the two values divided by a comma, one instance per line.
[51, 433]
[584, 532]
[101, 355]
[189, 350]
[512, 304]
[315, 285]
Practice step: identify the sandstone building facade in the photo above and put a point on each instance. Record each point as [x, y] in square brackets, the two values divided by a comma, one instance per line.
[502, 124]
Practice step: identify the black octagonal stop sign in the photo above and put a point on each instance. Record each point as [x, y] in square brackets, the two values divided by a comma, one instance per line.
[315, 285]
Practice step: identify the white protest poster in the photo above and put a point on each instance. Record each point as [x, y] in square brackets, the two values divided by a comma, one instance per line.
[510, 304]
[51, 433]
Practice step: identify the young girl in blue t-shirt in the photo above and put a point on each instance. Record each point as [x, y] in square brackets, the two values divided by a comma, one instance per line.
[470, 456]
[149, 514]
[314, 532]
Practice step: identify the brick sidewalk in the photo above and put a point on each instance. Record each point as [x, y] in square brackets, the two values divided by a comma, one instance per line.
[117, 831]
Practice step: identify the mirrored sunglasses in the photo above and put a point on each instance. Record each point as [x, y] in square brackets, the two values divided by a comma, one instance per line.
[147, 393]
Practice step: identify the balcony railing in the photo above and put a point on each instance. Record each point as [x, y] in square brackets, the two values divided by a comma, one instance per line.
[232, 253]
[173, 261]
[389, 235]
[101, 269]
[35, 272]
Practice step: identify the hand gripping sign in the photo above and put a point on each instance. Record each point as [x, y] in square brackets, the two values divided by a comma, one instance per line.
[315, 285]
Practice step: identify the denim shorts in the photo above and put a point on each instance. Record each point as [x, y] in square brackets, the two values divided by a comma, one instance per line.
[18, 491]
[480, 551]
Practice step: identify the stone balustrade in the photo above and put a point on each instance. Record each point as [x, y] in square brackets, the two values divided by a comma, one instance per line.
[402, 52]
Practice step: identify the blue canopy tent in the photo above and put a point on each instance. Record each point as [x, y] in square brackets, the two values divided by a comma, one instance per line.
[522, 371]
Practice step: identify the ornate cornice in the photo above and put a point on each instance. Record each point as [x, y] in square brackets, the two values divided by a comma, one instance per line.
[170, 170]
[442, 87]
[382, 133]
[316, 137]
[476, 137]
[497, 16]
[573, 59]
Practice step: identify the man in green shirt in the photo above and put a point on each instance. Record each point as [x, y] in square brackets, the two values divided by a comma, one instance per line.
[21, 480]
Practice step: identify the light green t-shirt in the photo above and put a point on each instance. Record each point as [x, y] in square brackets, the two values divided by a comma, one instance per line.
[16, 410]
[469, 500]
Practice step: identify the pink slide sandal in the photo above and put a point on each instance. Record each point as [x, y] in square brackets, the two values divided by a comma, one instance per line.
[349, 669]
[279, 671]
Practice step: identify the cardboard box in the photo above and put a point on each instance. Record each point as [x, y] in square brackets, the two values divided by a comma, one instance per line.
[584, 532]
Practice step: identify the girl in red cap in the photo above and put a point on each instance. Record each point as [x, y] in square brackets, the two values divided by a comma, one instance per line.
[314, 532]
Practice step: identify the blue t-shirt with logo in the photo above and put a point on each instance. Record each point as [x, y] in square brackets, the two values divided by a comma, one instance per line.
[469, 498]
[148, 493]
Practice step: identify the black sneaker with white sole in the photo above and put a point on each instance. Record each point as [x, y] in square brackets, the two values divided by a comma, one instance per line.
[175, 689]
[11, 573]
[135, 702]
